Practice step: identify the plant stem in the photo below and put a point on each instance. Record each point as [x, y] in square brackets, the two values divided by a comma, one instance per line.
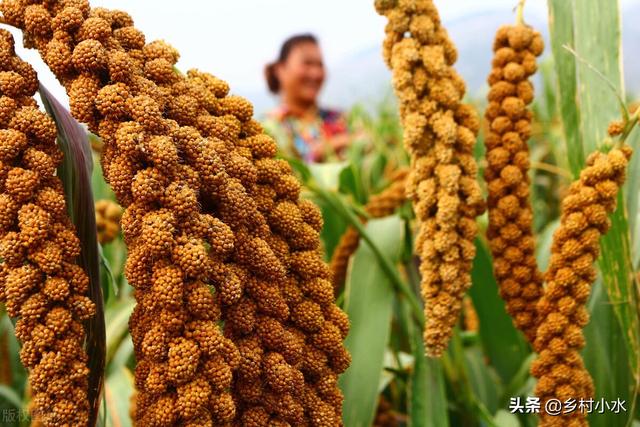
[520, 13]
[552, 169]
[630, 125]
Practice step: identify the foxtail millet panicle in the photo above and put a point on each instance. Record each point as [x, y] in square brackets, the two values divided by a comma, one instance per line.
[108, 214]
[510, 232]
[220, 155]
[40, 283]
[439, 133]
[559, 368]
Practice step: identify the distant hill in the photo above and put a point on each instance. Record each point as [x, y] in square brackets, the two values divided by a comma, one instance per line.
[363, 77]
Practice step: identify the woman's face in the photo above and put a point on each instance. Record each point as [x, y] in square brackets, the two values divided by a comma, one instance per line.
[302, 74]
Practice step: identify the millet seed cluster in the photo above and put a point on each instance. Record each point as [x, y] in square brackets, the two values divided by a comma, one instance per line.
[206, 205]
[510, 231]
[439, 133]
[562, 308]
[108, 214]
[40, 282]
[378, 206]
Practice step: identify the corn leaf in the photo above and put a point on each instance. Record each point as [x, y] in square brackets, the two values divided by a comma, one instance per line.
[75, 172]
[369, 302]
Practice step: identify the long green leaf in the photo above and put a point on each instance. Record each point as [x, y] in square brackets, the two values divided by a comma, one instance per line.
[483, 380]
[427, 394]
[368, 302]
[18, 372]
[633, 197]
[503, 344]
[327, 175]
[117, 319]
[428, 405]
[543, 248]
[10, 396]
[597, 42]
[118, 390]
[561, 29]
[75, 172]
[606, 358]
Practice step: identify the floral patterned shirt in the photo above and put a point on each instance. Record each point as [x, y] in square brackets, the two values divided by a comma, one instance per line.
[298, 138]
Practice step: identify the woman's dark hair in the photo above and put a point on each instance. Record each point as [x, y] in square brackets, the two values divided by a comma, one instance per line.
[285, 50]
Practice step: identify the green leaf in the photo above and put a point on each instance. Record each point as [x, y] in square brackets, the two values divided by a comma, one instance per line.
[561, 29]
[484, 381]
[351, 183]
[300, 167]
[340, 207]
[118, 390]
[110, 288]
[503, 343]
[633, 196]
[18, 372]
[334, 225]
[605, 357]
[597, 42]
[10, 396]
[543, 248]
[520, 385]
[327, 175]
[75, 173]
[394, 363]
[101, 190]
[506, 419]
[117, 319]
[123, 355]
[428, 405]
[369, 302]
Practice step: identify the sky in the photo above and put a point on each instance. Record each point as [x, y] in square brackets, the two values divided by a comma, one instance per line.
[235, 39]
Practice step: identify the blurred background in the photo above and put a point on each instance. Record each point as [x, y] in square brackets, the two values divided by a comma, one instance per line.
[234, 40]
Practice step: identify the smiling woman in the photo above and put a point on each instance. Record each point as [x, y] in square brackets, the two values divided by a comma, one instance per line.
[303, 129]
